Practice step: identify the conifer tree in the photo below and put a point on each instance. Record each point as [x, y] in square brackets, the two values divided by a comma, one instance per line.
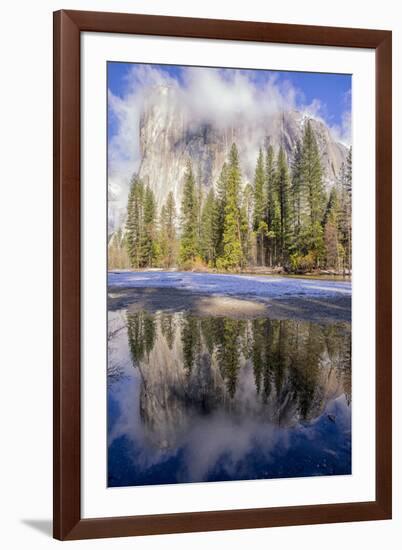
[168, 238]
[135, 222]
[297, 183]
[189, 212]
[162, 237]
[349, 172]
[260, 226]
[232, 247]
[247, 219]
[170, 227]
[313, 190]
[283, 191]
[285, 218]
[312, 175]
[199, 202]
[272, 206]
[220, 204]
[207, 237]
[345, 216]
[148, 240]
[332, 246]
[348, 181]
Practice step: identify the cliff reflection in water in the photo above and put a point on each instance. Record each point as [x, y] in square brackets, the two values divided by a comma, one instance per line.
[201, 398]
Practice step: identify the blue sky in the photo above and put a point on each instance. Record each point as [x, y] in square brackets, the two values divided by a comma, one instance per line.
[327, 95]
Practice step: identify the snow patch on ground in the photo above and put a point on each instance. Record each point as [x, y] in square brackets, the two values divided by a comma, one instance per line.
[232, 285]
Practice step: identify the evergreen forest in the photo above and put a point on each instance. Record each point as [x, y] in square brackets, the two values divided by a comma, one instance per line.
[285, 219]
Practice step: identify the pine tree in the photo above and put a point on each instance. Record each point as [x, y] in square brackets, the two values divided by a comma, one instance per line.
[348, 182]
[189, 211]
[349, 172]
[272, 206]
[168, 238]
[148, 240]
[170, 229]
[207, 237]
[232, 247]
[283, 191]
[259, 223]
[313, 191]
[162, 237]
[312, 175]
[199, 202]
[247, 218]
[135, 222]
[345, 222]
[220, 204]
[297, 199]
[284, 218]
[332, 247]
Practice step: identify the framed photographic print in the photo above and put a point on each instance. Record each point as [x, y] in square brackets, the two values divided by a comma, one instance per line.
[222, 266]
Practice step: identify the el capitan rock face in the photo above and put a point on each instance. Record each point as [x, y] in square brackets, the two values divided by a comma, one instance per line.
[170, 135]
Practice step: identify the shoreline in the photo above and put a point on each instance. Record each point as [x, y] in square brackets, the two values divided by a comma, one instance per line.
[321, 276]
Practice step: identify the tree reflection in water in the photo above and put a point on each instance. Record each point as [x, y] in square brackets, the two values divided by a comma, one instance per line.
[204, 375]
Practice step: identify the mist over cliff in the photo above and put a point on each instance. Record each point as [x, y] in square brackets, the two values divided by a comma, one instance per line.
[171, 124]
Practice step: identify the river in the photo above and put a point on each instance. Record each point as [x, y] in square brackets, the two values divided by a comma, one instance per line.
[204, 385]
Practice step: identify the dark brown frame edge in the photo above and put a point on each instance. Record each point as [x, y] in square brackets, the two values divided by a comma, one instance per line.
[67, 476]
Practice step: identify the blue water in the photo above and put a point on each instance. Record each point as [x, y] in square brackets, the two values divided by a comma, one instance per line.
[321, 449]
[194, 399]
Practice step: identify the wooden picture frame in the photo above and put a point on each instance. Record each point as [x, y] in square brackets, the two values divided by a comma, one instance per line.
[68, 26]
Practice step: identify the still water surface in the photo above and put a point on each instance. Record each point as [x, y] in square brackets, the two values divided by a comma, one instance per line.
[194, 399]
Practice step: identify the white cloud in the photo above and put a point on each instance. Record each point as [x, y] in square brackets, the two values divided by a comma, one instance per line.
[340, 132]
[221, 96]
[343, 132]
[316, 109]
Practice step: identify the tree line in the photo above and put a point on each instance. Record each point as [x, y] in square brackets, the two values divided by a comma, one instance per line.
[285, 355]
[284, 218]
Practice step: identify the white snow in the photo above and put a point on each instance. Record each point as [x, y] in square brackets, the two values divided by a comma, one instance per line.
[231, 285]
